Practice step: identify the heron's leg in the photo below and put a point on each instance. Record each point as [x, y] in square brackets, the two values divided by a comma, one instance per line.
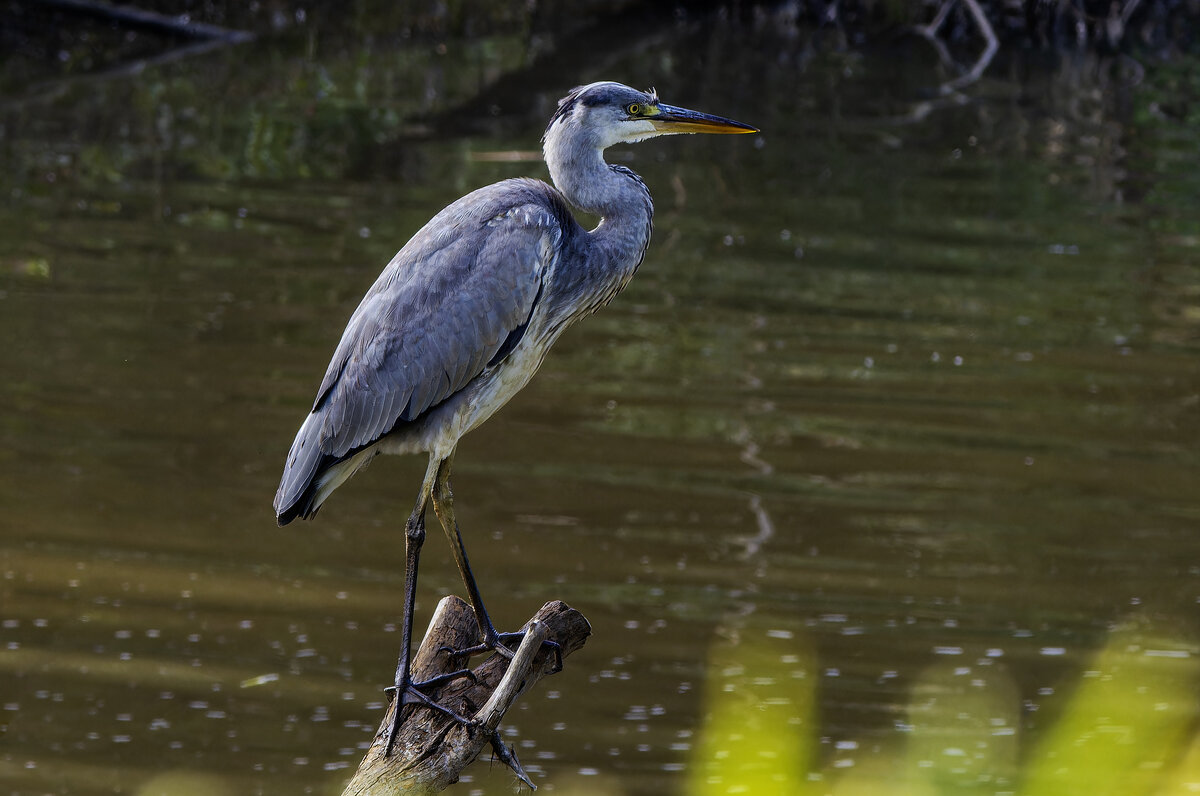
[405, 689]
[443, 506]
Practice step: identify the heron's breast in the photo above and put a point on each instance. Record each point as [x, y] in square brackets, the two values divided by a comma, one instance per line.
[496, 386]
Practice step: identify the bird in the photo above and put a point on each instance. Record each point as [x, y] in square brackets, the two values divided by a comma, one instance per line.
[462, 316]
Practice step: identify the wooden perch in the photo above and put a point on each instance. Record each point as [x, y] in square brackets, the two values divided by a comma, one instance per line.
[431, 748]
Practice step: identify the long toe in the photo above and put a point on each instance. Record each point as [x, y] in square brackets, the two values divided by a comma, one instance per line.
[516, 638]
[414, 694]
[503, 644]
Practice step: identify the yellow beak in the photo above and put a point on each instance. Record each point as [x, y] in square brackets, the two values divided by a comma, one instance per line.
[670, 119]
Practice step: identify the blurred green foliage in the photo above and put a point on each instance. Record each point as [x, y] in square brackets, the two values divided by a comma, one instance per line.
[1124, 728]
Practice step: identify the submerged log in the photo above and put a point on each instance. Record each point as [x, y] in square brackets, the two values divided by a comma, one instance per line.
[431, 748]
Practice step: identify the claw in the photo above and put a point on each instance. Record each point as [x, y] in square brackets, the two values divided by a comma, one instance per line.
[555, 648]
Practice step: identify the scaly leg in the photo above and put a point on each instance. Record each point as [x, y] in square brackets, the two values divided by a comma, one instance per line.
[405, 690]
[443, 506]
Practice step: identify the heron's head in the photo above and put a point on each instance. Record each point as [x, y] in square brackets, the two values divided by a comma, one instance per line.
[603, 114]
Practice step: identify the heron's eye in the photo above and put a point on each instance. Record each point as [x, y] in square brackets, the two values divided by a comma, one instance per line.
[633, 109]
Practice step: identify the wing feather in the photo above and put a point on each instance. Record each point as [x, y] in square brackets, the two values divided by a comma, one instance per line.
[433, 321]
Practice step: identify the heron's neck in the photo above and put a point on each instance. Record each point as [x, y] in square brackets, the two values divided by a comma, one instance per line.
[617, 195]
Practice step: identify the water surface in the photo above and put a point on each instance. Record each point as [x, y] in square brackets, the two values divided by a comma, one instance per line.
[893, 435]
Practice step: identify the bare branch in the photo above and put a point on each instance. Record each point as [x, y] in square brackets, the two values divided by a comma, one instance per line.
[985, 58]
[131, 16]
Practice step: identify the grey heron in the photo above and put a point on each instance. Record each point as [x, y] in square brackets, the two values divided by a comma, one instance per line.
[461, 318]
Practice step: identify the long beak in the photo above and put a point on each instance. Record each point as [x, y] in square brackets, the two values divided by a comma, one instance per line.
[670, 119]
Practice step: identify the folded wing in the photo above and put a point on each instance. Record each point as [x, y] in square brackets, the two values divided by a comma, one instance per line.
[453, 302]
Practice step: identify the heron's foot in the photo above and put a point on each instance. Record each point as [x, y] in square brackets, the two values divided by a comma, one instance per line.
[499, 644]
[414, 694]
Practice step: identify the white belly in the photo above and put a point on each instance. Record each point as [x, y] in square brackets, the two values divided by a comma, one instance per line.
[439, 431]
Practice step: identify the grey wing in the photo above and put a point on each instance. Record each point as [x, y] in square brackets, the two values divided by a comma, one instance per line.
[442, 311]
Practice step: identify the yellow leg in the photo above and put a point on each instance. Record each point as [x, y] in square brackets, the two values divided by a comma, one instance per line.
[443, 506]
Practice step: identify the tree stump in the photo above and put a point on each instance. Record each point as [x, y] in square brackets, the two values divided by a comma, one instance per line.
[431, 748]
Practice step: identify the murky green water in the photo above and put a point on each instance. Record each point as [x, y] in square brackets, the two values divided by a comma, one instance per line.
[895, 431]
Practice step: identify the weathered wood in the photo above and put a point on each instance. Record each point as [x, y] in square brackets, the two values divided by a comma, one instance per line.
[431, 748]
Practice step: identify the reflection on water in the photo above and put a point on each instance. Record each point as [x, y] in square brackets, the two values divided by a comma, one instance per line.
[887, 451]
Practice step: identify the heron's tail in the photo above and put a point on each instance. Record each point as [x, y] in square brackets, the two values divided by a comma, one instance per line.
[310, 475]
[294, 498]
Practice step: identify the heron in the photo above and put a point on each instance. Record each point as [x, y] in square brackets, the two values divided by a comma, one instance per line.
[463, 315]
